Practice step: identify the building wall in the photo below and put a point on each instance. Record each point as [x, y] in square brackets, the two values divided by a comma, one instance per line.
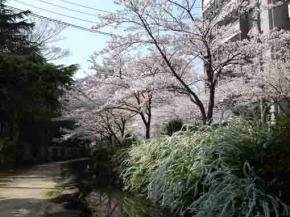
[275, 17]
[280, 17]
[269, 18]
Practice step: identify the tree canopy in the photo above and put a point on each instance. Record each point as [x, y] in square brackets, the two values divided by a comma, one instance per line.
[30, 90]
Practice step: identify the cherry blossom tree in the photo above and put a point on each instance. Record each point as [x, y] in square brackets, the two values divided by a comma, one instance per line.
[139, 84]
[123, 88]
[176, 28]
[166, 42]
[84, 105]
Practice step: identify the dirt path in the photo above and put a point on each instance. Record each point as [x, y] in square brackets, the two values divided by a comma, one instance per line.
[24, 194]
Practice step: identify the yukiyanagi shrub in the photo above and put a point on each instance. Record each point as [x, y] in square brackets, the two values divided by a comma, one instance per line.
[240, 170]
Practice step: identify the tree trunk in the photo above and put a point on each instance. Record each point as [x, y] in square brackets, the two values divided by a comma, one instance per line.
[211, 104]
[117, 140]
[123, 129]
[148, 131]
[147, 124]
[194, 96]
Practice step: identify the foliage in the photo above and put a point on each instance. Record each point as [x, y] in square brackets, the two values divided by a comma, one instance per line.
[103, 152]
[172, 127]
[30, 90]
[30, 98]
[107, 160]
[161, 168]
[249, 174]
[104, 161]
[239, 170]
[283, 122]
[26, 82]
[129, 140]
[13, 27]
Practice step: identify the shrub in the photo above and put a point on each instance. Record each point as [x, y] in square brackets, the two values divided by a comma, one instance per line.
[129, 140]
[172, 127]
[102, 164]
[239, 170]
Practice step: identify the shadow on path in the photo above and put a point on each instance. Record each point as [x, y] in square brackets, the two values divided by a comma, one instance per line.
[20, 207]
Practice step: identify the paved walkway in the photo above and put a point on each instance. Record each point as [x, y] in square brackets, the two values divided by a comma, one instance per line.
[24, 194]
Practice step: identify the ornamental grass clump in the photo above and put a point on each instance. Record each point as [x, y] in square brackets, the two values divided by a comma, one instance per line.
[163, 168]
[241, 173]
[240, 170]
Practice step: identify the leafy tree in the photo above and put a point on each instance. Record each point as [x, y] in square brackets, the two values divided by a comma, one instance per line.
[30, 90]
[12, 32]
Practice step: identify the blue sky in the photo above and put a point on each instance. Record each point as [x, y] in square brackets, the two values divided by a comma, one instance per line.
[80, 43]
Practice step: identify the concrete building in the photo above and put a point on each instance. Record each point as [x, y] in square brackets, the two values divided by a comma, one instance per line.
[267, 19]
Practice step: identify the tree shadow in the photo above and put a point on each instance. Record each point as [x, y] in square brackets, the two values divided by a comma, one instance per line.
[28, 188]
[20, 207]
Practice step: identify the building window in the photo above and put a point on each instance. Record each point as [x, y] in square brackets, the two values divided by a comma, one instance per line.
[289, 10]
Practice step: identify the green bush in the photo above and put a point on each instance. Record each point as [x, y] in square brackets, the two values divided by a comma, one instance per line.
[240, 170]
[102, 164]
[172, 127]
[282, 124]
[129, 140]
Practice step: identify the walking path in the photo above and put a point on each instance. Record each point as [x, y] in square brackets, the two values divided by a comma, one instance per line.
[24, 194]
